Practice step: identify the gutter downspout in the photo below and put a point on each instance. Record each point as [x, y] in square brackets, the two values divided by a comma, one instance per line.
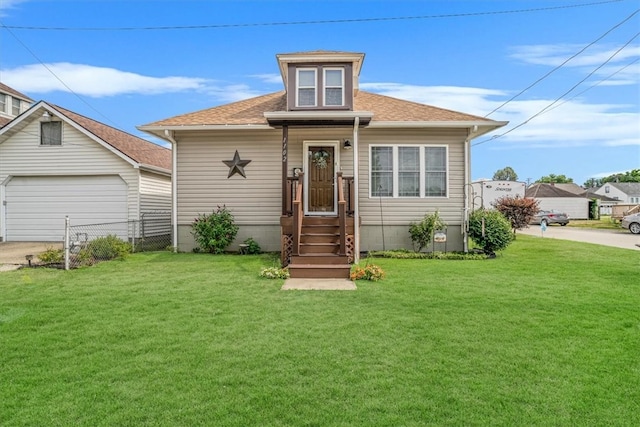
[169, 134]
[466, 186]
[356, 183]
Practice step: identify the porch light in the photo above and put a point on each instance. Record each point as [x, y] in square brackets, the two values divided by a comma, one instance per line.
[46, 117]
[347, 144]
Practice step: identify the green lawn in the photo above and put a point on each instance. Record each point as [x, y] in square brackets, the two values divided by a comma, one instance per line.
[546, 334]
[604, 223]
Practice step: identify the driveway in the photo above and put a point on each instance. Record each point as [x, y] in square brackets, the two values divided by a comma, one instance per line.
[12, 254]
[616, 238]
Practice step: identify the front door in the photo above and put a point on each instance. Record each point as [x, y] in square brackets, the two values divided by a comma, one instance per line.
[320, 184]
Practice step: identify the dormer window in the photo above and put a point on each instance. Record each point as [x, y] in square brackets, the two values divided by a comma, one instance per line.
[307, 85]
[320, 86]
[334, 86]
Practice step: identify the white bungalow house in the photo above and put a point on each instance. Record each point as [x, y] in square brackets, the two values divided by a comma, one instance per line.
[54, 163]
[322, 171]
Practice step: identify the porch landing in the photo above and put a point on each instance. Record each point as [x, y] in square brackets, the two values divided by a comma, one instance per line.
[318, 284]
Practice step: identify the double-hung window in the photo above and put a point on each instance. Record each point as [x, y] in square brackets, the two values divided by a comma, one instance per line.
[408, 171]
[51, 133]
[3, 103]
[15, 106]
[306, 91]
[333, 86]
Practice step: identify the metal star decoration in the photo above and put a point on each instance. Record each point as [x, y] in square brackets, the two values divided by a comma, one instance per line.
[236, 165]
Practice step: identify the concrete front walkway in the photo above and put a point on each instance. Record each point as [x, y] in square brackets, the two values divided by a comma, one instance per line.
[319, 285]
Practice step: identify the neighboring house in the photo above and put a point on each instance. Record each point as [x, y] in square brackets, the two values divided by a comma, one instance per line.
[55, 163]
[625, 192]
[12, 104]
[551, 197]
[296, 167]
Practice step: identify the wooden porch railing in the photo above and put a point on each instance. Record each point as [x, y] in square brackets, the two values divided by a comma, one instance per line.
[298, 214]
[342, 215]
[292, 186]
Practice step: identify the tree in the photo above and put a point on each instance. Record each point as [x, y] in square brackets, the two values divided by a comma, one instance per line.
[556, 179]
[506, 174]
[629, 176]
[592, 183]
[518, 210]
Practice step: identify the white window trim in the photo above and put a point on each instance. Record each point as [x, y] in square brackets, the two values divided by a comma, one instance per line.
[396, 170]
[325, 86]
[315, 86]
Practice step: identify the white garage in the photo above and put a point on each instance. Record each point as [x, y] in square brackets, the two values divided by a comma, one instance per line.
[36, 206]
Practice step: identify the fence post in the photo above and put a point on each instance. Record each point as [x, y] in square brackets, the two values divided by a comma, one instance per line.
[66, 242]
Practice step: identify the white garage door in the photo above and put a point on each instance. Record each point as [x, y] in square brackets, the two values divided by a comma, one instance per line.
[36, 206]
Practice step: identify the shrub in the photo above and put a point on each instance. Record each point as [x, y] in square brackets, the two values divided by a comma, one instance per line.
[368, 272]
[51, 256]
[404, 254]
[105, 248]
[519, 211]
[490, 230]
[274, 273]
[213, 233]
[422, 232]
[253, 247]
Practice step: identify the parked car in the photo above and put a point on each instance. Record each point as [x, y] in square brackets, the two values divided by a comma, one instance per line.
[550, 217]
[631, 223]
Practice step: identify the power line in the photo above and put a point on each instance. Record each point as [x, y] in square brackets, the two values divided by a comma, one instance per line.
[561, 65]
[56, 76]
[545, 109]
[318, 22]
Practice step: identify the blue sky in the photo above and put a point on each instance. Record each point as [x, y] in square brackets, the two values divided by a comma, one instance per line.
[469, 56]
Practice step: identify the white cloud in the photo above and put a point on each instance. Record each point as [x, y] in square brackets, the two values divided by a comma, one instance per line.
[272, 78]
[93, 81]
[9, 4]
[573, 123]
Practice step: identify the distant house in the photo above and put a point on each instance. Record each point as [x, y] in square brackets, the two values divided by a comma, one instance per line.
[625, 192]
[12, 104]
[322, 170]
[552, 197]
[54, 162]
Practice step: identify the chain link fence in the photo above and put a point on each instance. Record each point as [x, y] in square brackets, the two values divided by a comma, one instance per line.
[88, 244]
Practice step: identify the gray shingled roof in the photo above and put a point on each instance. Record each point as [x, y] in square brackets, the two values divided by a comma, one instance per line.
[547, 190]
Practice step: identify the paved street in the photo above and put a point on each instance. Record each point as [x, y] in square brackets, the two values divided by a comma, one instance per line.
[617, 238]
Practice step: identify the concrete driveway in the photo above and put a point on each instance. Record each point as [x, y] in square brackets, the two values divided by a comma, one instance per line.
[616, 238]
[12, 254]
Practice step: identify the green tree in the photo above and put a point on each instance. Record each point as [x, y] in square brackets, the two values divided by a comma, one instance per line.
[592, 183]
[556, 179]
[506, 174]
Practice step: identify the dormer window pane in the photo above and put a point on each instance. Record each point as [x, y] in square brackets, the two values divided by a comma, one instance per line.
[333, 87]
[307, 87]
[3, 103]
[51, 133]
[15, 106]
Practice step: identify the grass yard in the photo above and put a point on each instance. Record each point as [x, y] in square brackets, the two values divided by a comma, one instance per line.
[546, 334]
[604, 223]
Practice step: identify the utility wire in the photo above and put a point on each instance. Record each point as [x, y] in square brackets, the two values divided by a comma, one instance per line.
[560, 97]
[561, 65]
[329, 21]
[58, 78]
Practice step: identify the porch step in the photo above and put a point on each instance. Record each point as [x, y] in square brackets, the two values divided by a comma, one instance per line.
[316, 259]
[328, 248]
[319, 271]
[320, 220]
[320, 238]
[319, 229]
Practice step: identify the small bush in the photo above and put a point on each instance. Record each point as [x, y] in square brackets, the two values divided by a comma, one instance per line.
[104, 248]
[518, 210]
[274, 273]
[51, 256]
[490, 230]
[368, 272]
[253, 248]
[422, 232]
[213, 233]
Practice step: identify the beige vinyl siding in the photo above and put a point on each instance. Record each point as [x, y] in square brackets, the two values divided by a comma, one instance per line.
[404, 210]
[202, 183]
[155, 192]
[22, 155]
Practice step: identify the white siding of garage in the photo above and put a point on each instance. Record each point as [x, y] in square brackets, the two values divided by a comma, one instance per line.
[36, 206]
[21, 155]
[575, 207]
[155, 192]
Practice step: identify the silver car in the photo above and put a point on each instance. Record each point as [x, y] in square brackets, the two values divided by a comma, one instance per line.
[550, 217]
[631, 222]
